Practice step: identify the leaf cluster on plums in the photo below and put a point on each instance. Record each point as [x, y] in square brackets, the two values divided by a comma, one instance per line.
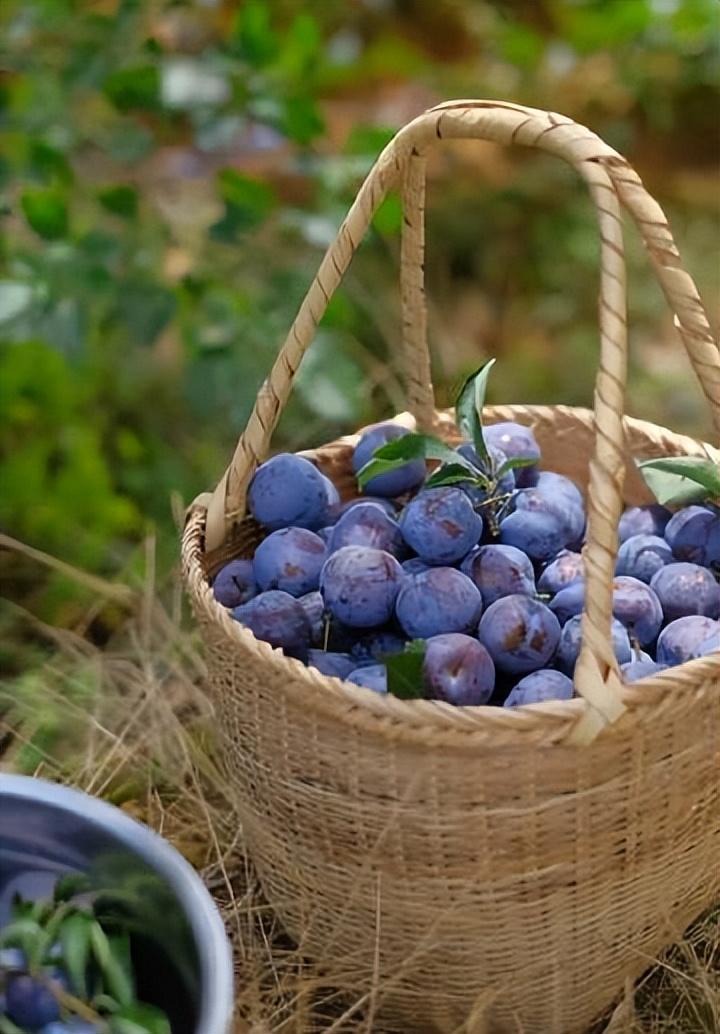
[457, 574]
[66, 966]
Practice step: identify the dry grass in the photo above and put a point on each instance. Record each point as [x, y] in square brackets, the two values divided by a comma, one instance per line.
[130, 722]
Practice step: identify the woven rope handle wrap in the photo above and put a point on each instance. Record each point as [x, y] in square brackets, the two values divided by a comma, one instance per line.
[610, 180]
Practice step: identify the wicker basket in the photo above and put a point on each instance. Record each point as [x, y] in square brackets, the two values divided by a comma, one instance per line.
[478, 869]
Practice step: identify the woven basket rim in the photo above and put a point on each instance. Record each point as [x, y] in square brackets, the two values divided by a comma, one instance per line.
[419, 720]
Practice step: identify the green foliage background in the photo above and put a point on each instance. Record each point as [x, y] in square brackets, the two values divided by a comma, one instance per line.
[170, 174]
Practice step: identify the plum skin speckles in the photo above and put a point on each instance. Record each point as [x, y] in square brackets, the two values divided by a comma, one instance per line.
[290, 559]
[684, 589]
[566, 568]
[688, 638]
[458, 669]
[365, 524]
[499, 570]
[520, 634]
[360, 585]
[441, 525]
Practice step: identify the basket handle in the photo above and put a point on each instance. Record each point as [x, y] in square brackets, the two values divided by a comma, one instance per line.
[611, 181]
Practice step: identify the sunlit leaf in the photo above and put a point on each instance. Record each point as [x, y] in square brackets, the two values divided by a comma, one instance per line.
[111, 955]
[301, 119]
[368, 140]
[248, 203]
[137, 87]
[410, 447]
[674, 476]
[49, 162]
[253, 35]
[514, 463]
[139, 1018]
[450, 474]
[70, 884]
[468, 409]
[75, 943]
[120, 200]
[46, 212]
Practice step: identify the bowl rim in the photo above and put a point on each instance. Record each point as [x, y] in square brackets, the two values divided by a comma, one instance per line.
[211, 942]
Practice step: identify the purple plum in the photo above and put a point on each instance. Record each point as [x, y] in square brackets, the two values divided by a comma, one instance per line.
[539, 687]
[441, 525]
[367, 525]
[685, 589]
[458, 669]
[394, 482]
[568, 649]
[360, 585]
[500, 571]
[277, 618]
[235, 584]
[439, 600]
[372, 676]
[642, 556]
[693, 534]
[330, 663]
[566, 568]
[286, 491]
[643, 520]
[687, 638]
[517, 442]
[290, 559]
[520, 634]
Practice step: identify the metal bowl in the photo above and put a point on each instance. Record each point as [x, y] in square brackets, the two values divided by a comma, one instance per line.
[181, 955]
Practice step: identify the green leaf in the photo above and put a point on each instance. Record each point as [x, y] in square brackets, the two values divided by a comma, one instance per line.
[453, 474]
[469, 406]
[135, 87]
[69, 885]
[248, 203]
[301, 120]
[139, 1018]
[411, 446]
[121, 200]
[8, 1027]
[111, 956]
[404, 671]
[46, 212]
[253, 34]
[368, 140]
[49, 163]
[515, 463]
[25, 934]
[75, 944]
[682, 479]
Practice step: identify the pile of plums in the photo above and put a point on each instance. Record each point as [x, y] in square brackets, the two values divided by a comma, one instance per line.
[343, 586]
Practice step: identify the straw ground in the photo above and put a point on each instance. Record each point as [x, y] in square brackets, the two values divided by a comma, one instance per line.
[131, 722]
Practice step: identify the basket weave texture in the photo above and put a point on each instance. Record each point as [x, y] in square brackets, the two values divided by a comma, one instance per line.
[478, 869]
